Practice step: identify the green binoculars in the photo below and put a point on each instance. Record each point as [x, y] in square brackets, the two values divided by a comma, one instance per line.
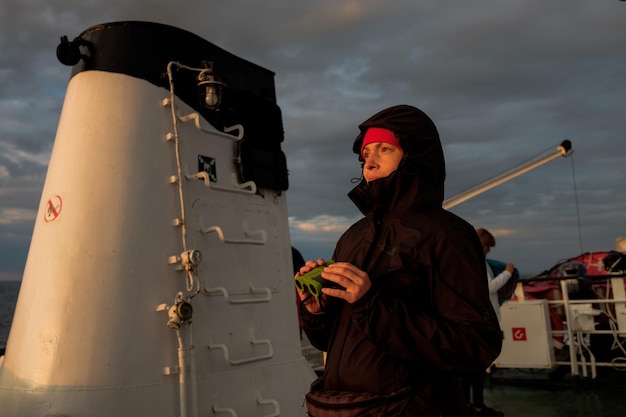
[312, 281]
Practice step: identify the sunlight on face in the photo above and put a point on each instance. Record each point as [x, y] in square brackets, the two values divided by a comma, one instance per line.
[381, 159]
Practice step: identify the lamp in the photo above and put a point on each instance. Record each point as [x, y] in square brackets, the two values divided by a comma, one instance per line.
[210, 88]
[69, 52]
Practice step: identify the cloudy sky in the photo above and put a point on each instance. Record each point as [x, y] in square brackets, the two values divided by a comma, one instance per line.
[505, 81]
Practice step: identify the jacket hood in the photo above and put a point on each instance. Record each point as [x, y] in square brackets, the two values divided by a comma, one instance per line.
[421, 174]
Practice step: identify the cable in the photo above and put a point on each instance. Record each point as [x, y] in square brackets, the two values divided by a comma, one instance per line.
[580, 238]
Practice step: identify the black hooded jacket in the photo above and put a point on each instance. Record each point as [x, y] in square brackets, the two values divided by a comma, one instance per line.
[427, 317]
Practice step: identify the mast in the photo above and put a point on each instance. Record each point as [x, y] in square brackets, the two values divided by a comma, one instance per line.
[563, 150]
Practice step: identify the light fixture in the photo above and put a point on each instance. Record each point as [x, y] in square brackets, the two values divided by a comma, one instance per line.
[69, 52]
[210, 88]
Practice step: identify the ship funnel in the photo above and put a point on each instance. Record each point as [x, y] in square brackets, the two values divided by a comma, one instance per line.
[159, 280]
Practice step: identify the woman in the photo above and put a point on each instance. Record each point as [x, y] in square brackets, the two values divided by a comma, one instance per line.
[409, 310]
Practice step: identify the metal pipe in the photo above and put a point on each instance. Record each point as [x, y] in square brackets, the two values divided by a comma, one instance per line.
[607, 364]
[564, 149]
[182, 376]
[193, 377]
[570, 334]
[187, 387]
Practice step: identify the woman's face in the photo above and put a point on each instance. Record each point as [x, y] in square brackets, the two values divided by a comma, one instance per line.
[380, 159]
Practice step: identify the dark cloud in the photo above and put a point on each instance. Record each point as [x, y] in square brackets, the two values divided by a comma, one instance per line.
[503, 81]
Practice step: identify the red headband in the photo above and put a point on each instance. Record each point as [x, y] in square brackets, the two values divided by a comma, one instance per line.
[378, 134]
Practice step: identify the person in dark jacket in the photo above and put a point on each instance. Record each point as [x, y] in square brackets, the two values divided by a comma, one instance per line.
[408, 310]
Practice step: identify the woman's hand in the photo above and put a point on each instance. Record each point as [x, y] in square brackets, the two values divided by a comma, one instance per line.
[353, 284]
[311, 303]
[354, 281]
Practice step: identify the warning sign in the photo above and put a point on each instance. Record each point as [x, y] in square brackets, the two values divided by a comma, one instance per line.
[519, 334]
[53, 209]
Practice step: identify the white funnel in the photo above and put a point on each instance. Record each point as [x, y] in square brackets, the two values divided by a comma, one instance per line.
[159, 277]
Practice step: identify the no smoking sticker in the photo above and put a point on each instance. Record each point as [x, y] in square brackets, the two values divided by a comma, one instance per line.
[53, 209]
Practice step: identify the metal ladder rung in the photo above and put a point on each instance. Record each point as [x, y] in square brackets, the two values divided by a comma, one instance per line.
[248, 187]
[254, 342]
[258, 232]
[221, 290]
[196, 118]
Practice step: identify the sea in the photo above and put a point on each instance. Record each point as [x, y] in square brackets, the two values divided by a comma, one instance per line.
[8, 297]
[513, 399]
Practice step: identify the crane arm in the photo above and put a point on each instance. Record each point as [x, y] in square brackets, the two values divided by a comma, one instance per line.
[564, 150]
